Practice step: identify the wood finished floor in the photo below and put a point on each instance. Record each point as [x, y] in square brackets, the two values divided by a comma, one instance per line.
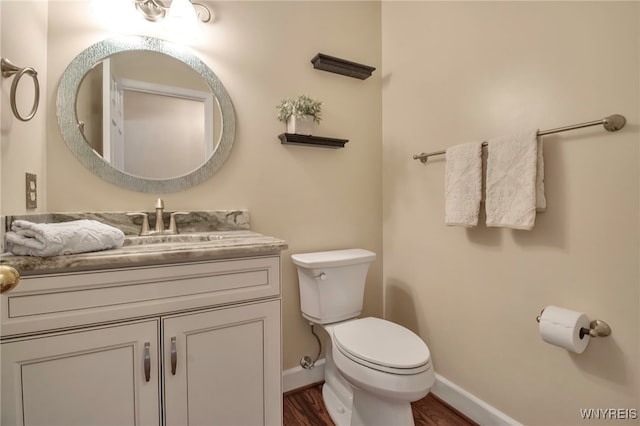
[305, 408]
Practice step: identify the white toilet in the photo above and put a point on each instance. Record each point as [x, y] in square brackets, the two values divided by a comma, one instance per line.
[374, 368]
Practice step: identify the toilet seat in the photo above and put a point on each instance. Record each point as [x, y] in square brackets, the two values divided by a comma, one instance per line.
[382, 345]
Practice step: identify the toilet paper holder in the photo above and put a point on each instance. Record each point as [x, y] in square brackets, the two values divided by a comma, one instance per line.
[597, 328]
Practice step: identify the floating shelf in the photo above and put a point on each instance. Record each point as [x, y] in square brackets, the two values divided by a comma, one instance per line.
[295, 139]
[341, 66]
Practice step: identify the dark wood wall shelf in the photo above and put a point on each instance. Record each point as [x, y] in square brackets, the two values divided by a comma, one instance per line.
[341, 66]
[308, 140]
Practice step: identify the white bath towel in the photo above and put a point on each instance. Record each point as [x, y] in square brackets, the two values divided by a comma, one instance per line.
[463, 184]
[53, 239]
[513, 182]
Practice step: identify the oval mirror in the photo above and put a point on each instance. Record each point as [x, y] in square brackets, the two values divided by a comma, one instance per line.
[145, 114]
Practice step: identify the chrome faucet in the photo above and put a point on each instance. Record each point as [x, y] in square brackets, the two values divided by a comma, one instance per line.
[158, 228]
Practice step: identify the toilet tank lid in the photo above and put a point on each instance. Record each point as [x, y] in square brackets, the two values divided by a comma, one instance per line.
[325, 259]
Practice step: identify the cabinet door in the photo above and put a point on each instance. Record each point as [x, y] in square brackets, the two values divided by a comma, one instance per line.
[226, 369]
[85, 377]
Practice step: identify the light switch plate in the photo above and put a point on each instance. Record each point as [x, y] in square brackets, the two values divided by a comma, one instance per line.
[31, 186]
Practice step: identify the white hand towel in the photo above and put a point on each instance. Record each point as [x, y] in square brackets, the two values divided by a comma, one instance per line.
[512, 181]
[541, 200]
[463, 184]
[53, 239]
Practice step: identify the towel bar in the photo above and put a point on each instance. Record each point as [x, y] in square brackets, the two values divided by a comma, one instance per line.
[611, 123]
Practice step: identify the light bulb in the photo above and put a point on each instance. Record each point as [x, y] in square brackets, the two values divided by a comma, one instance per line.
[182, 21]
[183, 11]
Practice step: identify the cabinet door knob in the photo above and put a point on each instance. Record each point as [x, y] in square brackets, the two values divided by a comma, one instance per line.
[147, 361]
[174, 356]
[9, 278]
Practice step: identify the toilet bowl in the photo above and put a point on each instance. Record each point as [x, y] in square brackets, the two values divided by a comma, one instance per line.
[374, 368]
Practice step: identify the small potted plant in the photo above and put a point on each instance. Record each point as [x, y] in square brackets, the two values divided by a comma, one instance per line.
[301, 114]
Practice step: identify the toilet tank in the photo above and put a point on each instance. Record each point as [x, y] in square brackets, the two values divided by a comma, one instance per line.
[332, 283]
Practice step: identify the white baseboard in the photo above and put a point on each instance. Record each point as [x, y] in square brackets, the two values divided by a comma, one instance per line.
[463, 401]
[298, 377]
[470, 405]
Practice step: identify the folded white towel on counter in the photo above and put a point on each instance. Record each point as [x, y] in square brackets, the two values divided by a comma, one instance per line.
[54, 239]
[513, 184]
[463, 184]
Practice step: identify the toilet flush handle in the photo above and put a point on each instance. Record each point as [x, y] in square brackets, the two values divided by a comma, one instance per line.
[322, 276]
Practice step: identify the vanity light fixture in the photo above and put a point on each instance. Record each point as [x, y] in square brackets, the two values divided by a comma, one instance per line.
[155, 10]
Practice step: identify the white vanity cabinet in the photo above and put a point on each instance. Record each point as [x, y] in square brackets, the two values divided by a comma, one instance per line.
[224, 371]
[184, 344]
[82, 377]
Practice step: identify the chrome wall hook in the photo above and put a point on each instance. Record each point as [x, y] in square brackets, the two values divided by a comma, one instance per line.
[9, 69]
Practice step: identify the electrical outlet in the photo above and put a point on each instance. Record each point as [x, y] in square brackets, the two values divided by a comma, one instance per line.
[32, 191]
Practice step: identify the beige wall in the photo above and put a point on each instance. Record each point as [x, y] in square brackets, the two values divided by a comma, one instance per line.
[447, 73]
[457, 72]
[22, 144]
[314, 198]
[1, 140]
[2, 231]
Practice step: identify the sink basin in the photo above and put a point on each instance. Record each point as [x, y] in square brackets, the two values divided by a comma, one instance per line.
[138, 240]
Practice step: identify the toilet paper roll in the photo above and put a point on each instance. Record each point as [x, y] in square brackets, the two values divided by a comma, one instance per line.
[561, 327]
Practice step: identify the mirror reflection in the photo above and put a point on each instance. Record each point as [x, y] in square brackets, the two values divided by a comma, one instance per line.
[145, 114]
[148, 114]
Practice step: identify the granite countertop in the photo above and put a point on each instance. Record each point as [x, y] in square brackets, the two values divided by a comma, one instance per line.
[228, 239]
[234, 244]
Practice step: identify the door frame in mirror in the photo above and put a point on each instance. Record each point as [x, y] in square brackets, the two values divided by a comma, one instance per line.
[73, 137]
